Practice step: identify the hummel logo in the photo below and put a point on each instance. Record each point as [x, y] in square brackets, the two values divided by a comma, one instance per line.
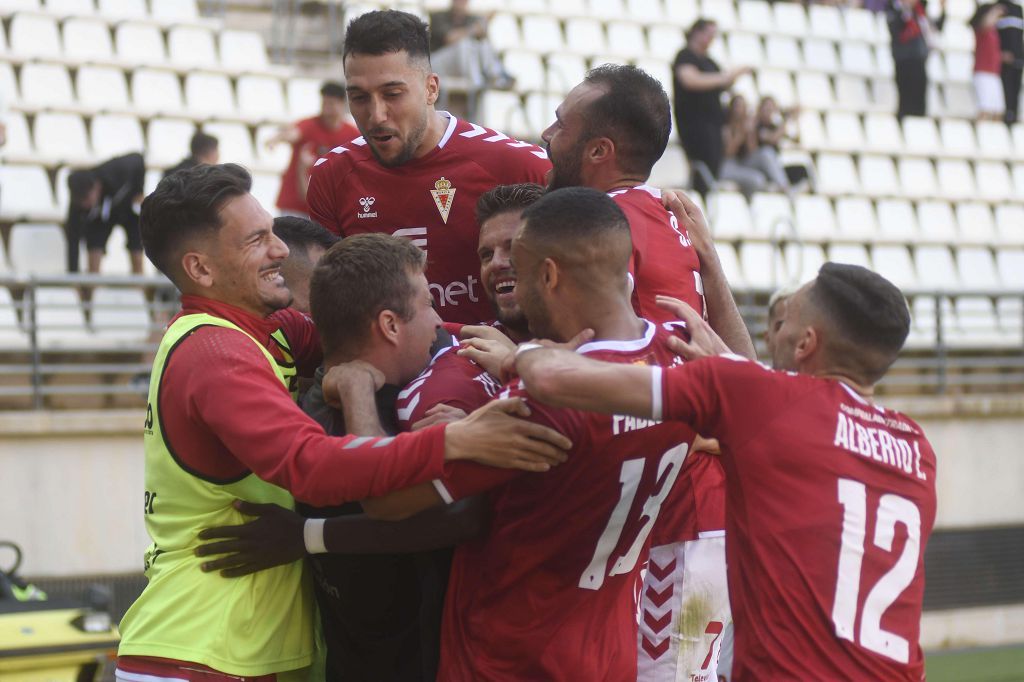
[367, 203]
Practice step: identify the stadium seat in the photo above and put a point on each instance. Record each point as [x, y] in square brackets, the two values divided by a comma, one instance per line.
[1010, 310]
[8, 83]
[503, 111]
[276, 158]
[773, 216]
[303, 97]
[745, 49]
[959, 65]
[153, 178]
[19, 141]
[46, 85]
[937, 223]
[585, 36]
[977, 325]
[528, 70]
[993, 181]
[790, 20]
[12, 6]
[920, 136]
[119, 313]
[882, 133]
[883, 61]
[854, 254]
[157, 91]
[191, 46]
[819, 55]
[261, 98]
[994, 140]
[101, 88]
[843, 131]
[626, 40]
[851, 92]
[61, 138]
[1010, 222]
[976, 267]
[917, 178]
[1017, 132]
[235, 142]
[957, 35]
[34, 198]
[826, 22]
[122, 9]
[60, 320]
[541, 34]
[860, 25]
[814, 91]
[777, 84]
[116, 134]
[168, 141]
[855, 219]
[761, 265]
[893, 263]
[503, 32]
[565, 71]
[209, 94]
[857, 59]
[265, 187]
[756, 15]
[1010, 263]
[12, 336]
[70, 8]
[606, 9]
[730, 216]
[540, 113]
[722, 11]
[87, 40]
[1018, 181]
[174, 11]
[139, 44]
[925, 322]
[243, 50]
[521, 7]
[897, 221]
[883, 94]
[958, 138]
[681, 13]
[836, 174]
[812, 132]
[815, 219]
[935, 268]
[646, 11]
[956, 180]
[34, 36]
[671, 170]
[38, 249]
[878, 176]
[665, 41]
[976, 223]
[958, 100]
[801, 262]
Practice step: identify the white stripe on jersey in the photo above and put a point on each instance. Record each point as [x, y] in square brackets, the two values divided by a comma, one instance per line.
[123, 676]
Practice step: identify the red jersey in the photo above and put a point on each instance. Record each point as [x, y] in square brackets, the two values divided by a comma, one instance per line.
[663, 261]
[431, 200]
[549, 592]
[317, 139]
[987, 57]
[831, 502]
[451, 379]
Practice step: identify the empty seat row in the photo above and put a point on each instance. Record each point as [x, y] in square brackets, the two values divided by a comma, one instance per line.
[35, 36]
[165, 11]
[150, 91]
[814, 218]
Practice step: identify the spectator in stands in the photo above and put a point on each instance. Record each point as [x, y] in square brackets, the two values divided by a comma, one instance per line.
[988, 82]
[776, 314]
[459, 48]
[101, 198]
[773, 126]
[203, 149]
[745, 161]
[698, 85]
[1011, 42]
[912, 35]
[307, 242]
[310, 139]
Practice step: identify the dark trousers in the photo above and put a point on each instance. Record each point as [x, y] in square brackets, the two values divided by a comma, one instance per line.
[912, 86]
[1011, 90]
[702, 141]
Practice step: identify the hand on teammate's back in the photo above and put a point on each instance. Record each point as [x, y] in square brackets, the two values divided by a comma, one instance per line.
[691, 218]
[439, 414]
[508, 367]
[274, 538]
[496, 436]
[704, 342]
[491, 354]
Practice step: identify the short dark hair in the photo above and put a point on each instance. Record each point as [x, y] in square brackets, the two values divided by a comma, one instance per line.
[357, 279]
[577, 215]
[202, 143]
[80, 183]
[505, 198]
[699, 25]
[185, 204]
[333, 89]
[387, 31]
[634, 112]
[869, 313]
[300, 234]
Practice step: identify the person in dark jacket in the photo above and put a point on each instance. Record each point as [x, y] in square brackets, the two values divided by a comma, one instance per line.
[1011, 45]
[913, 37]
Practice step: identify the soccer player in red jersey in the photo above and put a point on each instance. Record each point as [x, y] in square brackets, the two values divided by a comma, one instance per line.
[549, 592]
[416, 172]
[831, 497]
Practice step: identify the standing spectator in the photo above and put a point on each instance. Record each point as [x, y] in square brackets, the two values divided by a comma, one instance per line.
[698, 85]
[203, 149]
[912, 39]
[459, 48]
[101, 198]
[310, 139]
[988, 84]
[1011, 42]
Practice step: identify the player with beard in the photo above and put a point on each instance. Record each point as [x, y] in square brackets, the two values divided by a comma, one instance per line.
[608, 134]
[548, 592]
[831, 497]
[416, 172]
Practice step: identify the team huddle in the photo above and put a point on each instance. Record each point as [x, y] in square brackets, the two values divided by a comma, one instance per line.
[499, 418]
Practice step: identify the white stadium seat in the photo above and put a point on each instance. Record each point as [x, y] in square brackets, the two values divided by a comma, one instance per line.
[626, 40]
[814, 91]
[760, 265]
[209, 94]
[836, 174]
[527, 68]
[585, 36]
[61, 137]
[857, 59]
[265, 187]
[168, 141]
[815, 219]
[882, 133]
[116, 134]
[565, 71]
[276, 158]
[730, 216]
[243, 50]
[139, 44]
[773, 216]
[646, 11]
[540, 111]
[935, 268]
[893, 263]
[19, 141]
[897, 221]
[46, 85]
[855, 219]
[994, 140]
[682, 13]
[851, 91]
[958, 138]
[820, 55]
[722, 11]
[504, 111]
[959, 65]
[976, 223]
[87, 40]
[503, 32]
[956, 180]
[12, 336]
[606, 9]
[60, 320]
[665, 41]
[157, 91]
[993, 181]
[745, 49]
[958, 100]
[854, 254]
[235, 142]
[860, 25]
[38, 249]
[878, 176]
[843, 131]
[119, 313]
[917, 178]
[34, 35]
[174, 11]
[303, 97]
[977, 267]
[812, 132]
[1010, 263]
[826, 22]
[542, 33]
[920, 135]
[730, 264]
[937, 222]
[191, 46]
[777, 84]
[69, 8]
[790, 19]
[101, 88]
[1010, 222]
[261, 98]
[801, 262]
[122, 9]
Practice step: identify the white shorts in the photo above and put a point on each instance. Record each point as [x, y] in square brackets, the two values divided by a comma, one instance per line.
[683, 611]
[988, 93]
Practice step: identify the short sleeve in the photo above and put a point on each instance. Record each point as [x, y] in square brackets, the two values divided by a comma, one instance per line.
[320, 196]
[450, 380]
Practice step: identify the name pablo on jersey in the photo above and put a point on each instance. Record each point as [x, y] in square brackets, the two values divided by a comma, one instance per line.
[877, 444]
[625, 424]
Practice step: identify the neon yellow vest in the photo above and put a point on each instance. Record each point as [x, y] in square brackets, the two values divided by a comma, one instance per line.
[254, 625]
[289, 373]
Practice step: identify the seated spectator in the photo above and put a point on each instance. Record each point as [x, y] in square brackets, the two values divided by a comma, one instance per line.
[310, 139]
[203, 149]
[101, 198]
[698, 84]
[459, 48]
[740, 162]
[988, 82]
[773, 127]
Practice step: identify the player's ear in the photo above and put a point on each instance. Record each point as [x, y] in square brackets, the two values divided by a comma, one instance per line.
[600, 150]
[197, 269]
[549, 273]
[388, 324]
[808, 344]
[433, 87]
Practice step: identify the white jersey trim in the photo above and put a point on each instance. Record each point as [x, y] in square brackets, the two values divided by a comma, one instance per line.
[443, 491]
[705, 534]
[452, 122]
[122, 676]
[622, 346]
[657, 406]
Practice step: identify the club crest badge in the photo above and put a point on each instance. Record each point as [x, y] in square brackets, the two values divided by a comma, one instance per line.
[444, 195]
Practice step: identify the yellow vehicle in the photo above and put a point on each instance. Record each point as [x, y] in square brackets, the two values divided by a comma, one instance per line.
[51, 640]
